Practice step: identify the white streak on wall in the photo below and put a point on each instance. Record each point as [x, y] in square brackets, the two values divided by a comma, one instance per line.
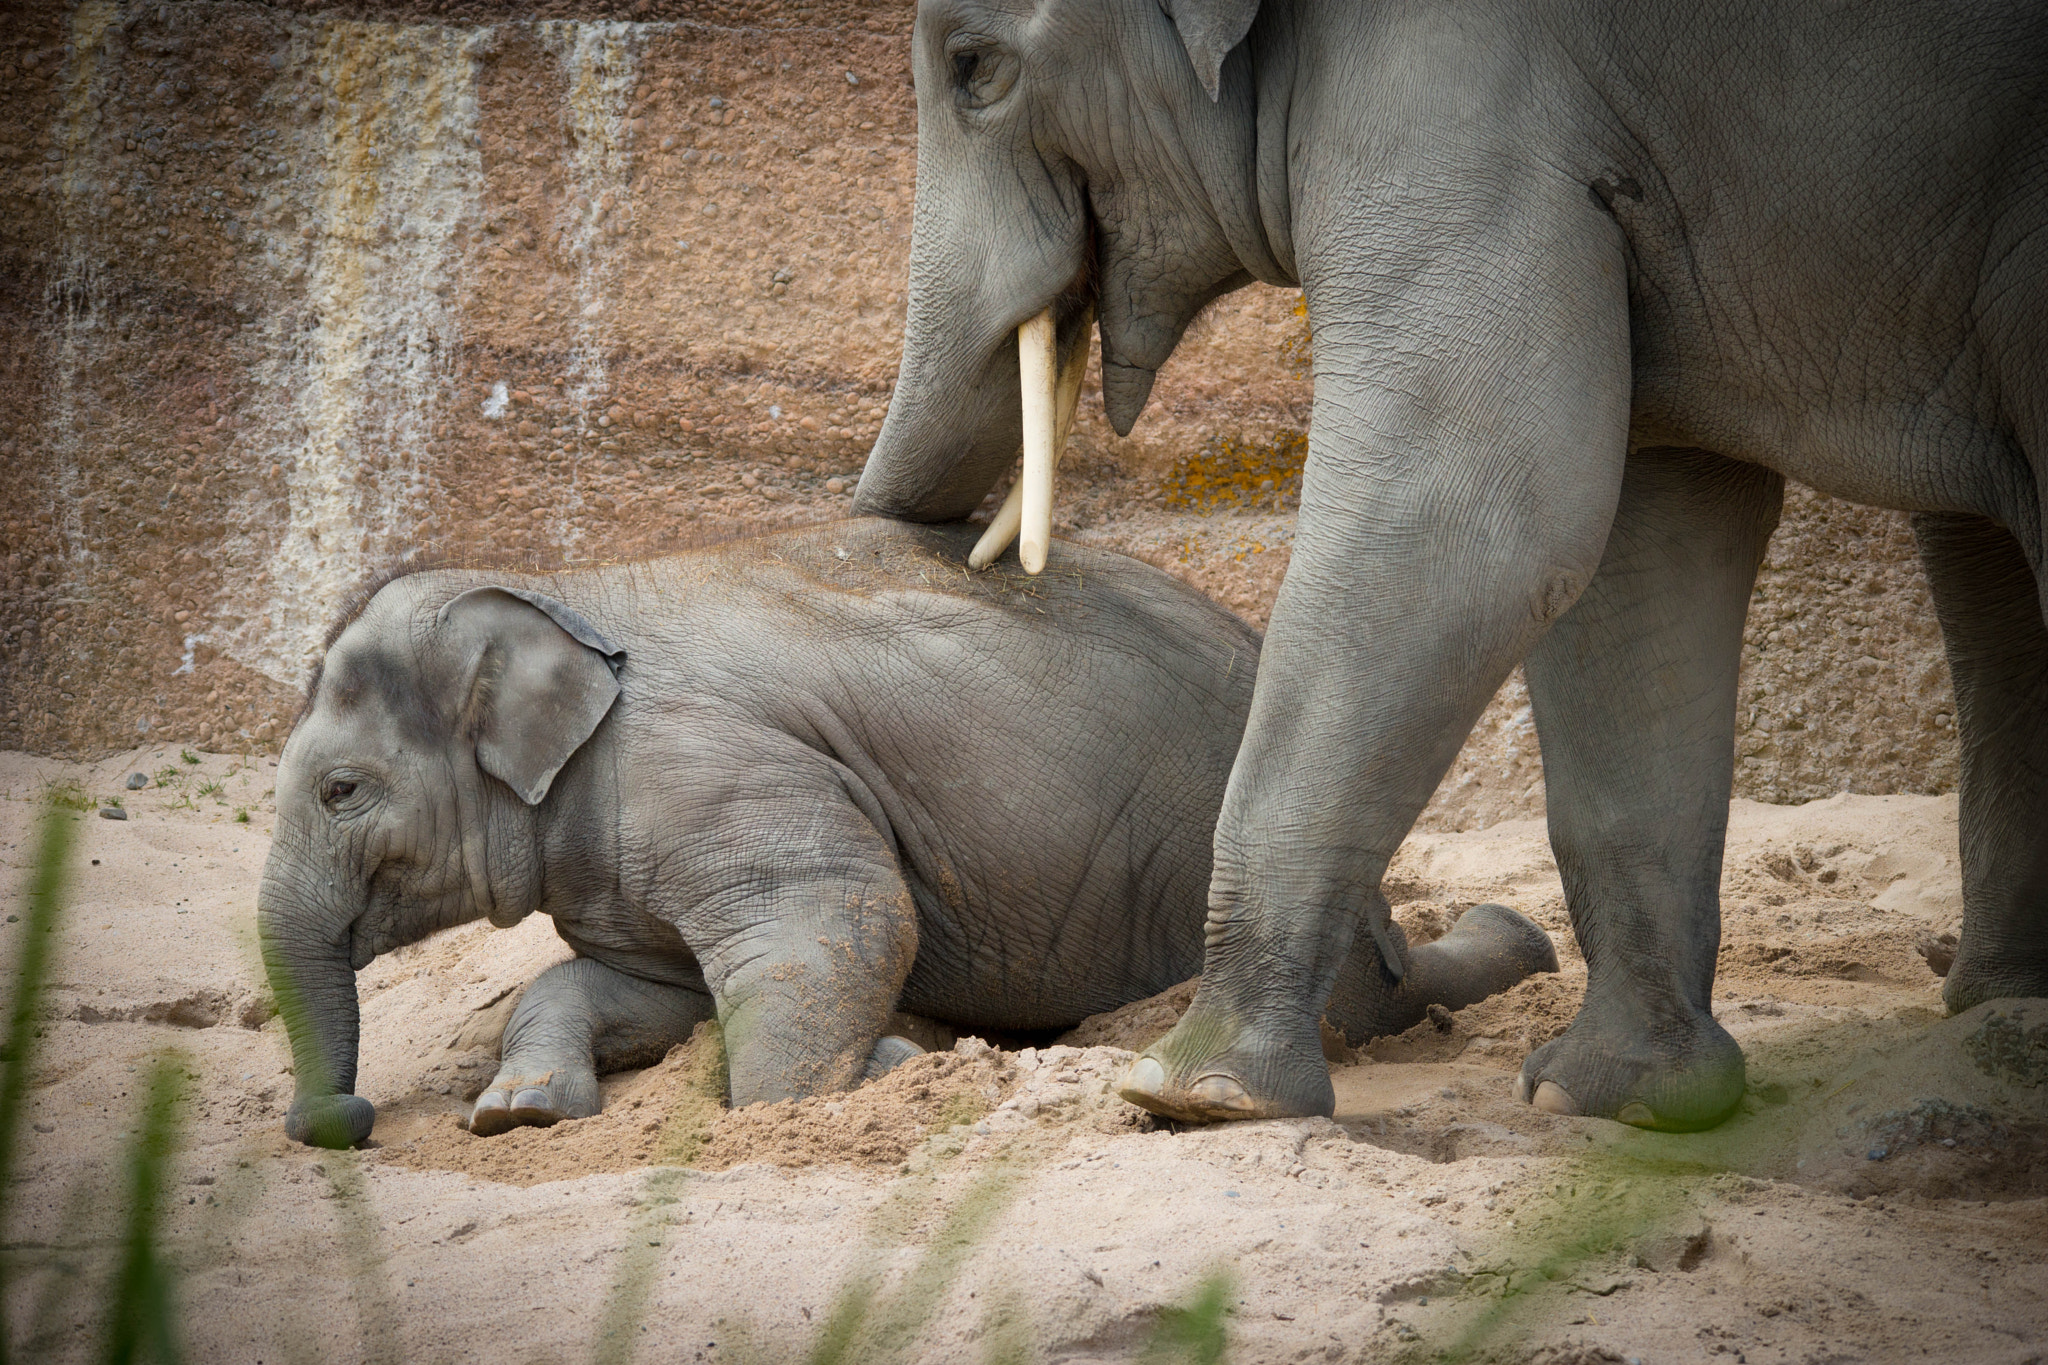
[190, 658]
[601, 62]
[76, 294]
[397, 177]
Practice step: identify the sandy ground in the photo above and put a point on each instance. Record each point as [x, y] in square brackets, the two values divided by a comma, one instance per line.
[1882, 1196]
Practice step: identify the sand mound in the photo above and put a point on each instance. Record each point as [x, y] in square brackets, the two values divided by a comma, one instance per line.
[1944, 1108]
[674, 1114]
[1505, 1027]
[648, 1115]
[874, 1126]
[1137, 1025]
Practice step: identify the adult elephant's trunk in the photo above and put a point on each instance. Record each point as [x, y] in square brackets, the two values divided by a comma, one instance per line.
[306, 957]
[984, 260]
[954, 423]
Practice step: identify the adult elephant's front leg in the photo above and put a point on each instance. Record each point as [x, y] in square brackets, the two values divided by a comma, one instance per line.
[1634, 695]
[1470, 429]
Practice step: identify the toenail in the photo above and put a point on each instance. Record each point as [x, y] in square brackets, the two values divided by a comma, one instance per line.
[1637, 1113]
[1220, 1092]
[1146, 1077]
[1553, 1098]
[1521, 1089]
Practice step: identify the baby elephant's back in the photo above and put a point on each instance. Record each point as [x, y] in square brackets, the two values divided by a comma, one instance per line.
[1099, 671]
[1064, 742]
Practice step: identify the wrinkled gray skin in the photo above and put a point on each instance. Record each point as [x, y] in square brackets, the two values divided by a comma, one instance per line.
[1587, 282]
[796, 783]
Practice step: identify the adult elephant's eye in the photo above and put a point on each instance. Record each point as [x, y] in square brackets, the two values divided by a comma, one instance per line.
[337, 791]
[982, 74]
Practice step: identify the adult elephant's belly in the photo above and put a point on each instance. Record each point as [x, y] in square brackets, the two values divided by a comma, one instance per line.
[1914, 443]
[1013, 963]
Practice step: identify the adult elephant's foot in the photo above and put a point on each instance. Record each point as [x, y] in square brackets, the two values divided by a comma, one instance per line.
[523, 1099]
[1211, 1068]
[1678, 1075]
[1977, 975]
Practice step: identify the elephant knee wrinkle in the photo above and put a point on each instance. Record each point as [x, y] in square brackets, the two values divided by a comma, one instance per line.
[1561, 588]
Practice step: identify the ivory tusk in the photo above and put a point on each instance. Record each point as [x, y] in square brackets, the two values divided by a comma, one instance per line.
[1067, 399]
[1037, 366]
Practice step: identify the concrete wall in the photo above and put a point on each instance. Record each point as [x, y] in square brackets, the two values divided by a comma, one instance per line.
[289, 292]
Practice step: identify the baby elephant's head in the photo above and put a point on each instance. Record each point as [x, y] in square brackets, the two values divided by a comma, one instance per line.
[436, 723]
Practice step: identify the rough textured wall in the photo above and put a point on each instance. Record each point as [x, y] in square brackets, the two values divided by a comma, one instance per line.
[288, 292]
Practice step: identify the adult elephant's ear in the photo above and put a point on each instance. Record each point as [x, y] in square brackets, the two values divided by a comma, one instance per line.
[542, 678]
[1208, 30]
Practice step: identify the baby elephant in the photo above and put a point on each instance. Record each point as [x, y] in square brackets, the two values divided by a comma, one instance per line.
[796, 783]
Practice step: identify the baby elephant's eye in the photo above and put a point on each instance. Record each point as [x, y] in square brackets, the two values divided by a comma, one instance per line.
[337, 790]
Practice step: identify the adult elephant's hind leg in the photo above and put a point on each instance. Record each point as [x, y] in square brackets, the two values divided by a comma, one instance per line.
[1634, 696]
[1991, 608]
[578, 1020]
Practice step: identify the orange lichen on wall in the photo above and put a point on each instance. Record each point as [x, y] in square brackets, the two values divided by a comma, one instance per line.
[1297, 350]
[1228, 472]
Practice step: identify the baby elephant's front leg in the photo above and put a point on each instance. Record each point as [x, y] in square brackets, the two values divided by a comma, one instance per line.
[578, 1020]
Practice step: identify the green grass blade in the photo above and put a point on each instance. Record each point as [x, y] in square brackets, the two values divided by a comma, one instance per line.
[1197, 1333]
[141, 1321]
[48, 877]
[355, 1214]
[866, 1325]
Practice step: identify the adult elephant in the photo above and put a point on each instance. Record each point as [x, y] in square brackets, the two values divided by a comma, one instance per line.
[1587, 282]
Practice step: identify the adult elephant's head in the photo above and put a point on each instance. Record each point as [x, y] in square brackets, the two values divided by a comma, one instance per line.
[406, 802]
[1077, 155]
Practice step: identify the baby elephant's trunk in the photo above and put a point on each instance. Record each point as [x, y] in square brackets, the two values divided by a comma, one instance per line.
[1488, 950]
[316, 993]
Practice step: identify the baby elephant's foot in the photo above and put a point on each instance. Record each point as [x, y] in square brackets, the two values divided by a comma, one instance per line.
[521, 1099]
[1205, 1071]
[1677, 1075]
[889, 1054]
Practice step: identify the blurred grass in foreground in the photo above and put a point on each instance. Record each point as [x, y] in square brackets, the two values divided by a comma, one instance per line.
[1585, 1231]
[48, 875]
[140, 1311]
[1197, 1333]
[135, 1304]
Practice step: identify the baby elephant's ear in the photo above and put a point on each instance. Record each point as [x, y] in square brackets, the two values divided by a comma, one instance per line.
[1208, 30]
[542, 678]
